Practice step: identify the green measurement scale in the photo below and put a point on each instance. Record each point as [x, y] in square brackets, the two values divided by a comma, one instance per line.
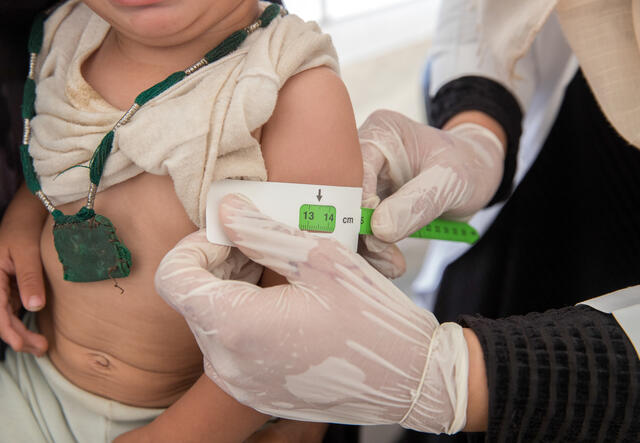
[323, 218]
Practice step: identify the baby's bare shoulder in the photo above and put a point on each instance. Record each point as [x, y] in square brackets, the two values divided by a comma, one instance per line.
[312, 135]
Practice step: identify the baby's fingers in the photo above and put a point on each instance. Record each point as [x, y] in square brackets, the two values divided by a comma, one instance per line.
[16, 335]
[7, 333]
[28, 267]
[30, 342]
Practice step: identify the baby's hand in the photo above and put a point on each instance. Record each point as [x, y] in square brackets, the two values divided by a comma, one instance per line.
[21, 279]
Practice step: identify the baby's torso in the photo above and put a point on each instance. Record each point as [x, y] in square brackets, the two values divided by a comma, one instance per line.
[133, 347]
[128, 346]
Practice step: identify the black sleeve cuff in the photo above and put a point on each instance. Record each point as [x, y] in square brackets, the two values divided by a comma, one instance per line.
[481, 94]
[565, 375]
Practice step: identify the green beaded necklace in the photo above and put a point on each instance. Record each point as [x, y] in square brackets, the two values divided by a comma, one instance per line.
[86, 242]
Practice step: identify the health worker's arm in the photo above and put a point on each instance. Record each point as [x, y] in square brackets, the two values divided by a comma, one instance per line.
[353, 348]
[463, 79]
[338, 343]
[569, 374]
[21, 275]
[449, 167]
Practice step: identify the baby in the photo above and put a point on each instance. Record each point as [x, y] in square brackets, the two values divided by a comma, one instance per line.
[118, 361]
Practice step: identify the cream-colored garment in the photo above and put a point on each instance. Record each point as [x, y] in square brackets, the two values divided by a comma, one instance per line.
[198, 131]
[39, 405]
[604, 35]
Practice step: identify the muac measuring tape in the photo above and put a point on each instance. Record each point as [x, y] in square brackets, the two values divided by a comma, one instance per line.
[333, 211]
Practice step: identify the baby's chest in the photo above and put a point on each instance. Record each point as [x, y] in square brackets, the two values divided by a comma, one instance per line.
[149, 220]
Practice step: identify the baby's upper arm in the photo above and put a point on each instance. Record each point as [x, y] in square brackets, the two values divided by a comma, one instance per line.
[312, 136]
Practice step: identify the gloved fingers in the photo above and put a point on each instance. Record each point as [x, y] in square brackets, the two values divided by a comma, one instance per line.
[187, 267]
[275, 245]
[385, 257]
[204, 300]
[311, 264]
[484, 166]
[427, 196]
[240, 267]
[196, 250]
[386, 162]
[304, 259]
[373, 179]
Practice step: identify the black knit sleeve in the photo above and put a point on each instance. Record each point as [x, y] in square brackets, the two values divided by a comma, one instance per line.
[473, 93]
[568, 375]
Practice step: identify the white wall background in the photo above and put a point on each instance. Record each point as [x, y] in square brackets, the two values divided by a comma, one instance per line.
[363, 29]
[382, 46]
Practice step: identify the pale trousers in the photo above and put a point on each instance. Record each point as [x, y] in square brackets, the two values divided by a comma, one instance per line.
[38, 405]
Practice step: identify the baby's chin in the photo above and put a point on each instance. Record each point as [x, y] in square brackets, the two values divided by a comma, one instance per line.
[135, 3]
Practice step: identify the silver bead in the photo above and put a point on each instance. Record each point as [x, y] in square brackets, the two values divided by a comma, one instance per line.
[254, 26]
[127, 116]
[32, 65]
[45, 201]
[91, 197]
[193, 68]
[26, 131]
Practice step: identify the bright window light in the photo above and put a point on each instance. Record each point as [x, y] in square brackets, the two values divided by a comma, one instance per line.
[307, 9]
[332, 10]
[340, 9]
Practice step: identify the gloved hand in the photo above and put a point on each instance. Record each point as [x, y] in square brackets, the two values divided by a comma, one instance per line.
[339, 343]
[430, 172]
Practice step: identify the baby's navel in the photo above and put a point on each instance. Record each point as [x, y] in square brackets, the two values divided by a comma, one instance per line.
[99, 361]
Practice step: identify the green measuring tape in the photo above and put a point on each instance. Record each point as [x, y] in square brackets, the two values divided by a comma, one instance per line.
[323, 218]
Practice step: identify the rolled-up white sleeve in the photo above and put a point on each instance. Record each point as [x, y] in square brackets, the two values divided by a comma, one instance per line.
[458, 52]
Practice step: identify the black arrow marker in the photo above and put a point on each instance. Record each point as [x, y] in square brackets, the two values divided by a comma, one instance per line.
[319, 194]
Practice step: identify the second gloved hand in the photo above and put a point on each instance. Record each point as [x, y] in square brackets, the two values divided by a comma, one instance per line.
[414, 173]
[339, 343]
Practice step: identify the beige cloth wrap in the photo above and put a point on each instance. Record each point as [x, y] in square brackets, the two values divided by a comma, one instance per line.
[198, 131]
[604, 35]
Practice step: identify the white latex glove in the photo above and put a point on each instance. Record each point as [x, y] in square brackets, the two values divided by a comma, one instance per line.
[339, 343]
[420, 173]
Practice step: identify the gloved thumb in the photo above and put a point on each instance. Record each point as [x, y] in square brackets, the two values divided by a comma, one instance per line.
[417, 203]
[193, 258]
[385, 257]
